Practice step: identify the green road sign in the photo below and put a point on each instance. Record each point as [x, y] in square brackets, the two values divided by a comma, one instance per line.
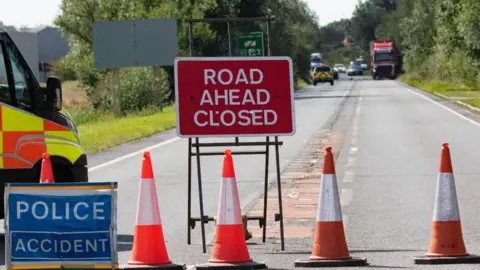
[250, 44]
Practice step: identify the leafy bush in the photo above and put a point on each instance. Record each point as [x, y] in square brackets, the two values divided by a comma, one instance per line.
[132, 89]
[63, 71]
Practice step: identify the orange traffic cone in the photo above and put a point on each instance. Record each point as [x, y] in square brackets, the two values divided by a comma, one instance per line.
[46, 172]
[329, 246]
[446, 243]
[149, 245]
[230, 248]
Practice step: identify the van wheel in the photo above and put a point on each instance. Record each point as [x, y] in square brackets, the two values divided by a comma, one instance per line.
[62, 174]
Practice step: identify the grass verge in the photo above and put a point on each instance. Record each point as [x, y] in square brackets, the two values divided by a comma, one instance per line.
[300, 83]
[468, 93]
[106, 131]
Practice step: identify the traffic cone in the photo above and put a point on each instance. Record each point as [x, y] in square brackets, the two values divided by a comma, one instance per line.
[446, 243]
[329, 246]
[46, 172]
[230, 248]
[149, 245]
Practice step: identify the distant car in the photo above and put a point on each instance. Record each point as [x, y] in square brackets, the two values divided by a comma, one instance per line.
[335, 74]
[322, 74]
[355, 69]
[362, 63]
[340, 68]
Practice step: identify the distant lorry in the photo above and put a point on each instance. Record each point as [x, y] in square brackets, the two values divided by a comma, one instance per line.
[386, 59]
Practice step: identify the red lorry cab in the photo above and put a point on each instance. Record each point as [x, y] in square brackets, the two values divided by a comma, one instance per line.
[385, 59]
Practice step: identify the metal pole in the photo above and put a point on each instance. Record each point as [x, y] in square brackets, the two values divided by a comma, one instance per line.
[279, 184]
[230, 53]
[189, 209]
[200, 193]
[8, 259]
[277, 160]
[229, 40]
[268, 39]
[113, 244]
[265, 190]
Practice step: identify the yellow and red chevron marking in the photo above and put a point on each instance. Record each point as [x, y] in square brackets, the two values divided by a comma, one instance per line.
[24, 137]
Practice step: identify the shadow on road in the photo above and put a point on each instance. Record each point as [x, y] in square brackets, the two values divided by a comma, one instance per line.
[388, 266]
[382, 250]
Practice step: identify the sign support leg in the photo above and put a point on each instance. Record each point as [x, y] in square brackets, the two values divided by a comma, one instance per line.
[265, 190]
[279, 184]
[189, 209]
[200, 193]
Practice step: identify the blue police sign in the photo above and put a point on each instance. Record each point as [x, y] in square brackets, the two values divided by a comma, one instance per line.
[61, 225]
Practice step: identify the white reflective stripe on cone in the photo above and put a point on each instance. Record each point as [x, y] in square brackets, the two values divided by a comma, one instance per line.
[228, 212]
[329, 200]
[446, 205]
[148, 212]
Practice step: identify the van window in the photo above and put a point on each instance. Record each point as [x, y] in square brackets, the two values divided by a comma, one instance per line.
[4, 89]
[22, 94]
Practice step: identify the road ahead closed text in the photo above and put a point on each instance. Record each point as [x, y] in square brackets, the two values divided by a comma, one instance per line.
[234, 97]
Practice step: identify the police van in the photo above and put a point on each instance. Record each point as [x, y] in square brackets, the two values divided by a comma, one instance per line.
[31, 123]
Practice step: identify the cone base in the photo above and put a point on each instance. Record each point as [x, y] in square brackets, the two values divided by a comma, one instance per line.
[151, 267]
[354, 261]
[230, 245]
[149, 246]
[239, 266]
[447, 260]
[329, 242]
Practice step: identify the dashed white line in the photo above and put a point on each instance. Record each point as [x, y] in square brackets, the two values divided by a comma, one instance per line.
[346, 196]
[349, 176]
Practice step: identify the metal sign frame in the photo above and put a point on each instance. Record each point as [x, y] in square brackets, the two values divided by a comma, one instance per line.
[197, 145]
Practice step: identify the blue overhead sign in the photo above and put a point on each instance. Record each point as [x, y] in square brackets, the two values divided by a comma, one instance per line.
[61, 225]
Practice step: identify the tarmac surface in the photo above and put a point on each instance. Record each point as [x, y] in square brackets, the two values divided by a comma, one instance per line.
[386, 139]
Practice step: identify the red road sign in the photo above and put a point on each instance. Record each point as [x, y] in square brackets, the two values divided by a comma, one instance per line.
[241, 96]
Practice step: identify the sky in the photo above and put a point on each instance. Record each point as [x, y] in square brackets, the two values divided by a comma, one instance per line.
[37, 12]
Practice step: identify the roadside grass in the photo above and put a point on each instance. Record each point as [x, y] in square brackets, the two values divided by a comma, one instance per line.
[300, 83]
[100, 130]
[474, 102]
[106, 131]
[468, 93]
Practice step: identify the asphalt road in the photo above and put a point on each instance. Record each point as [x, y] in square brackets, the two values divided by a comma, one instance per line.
[387, 138]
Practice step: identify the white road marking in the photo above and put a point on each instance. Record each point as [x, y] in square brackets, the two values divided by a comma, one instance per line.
[348, 177]
[353, 150]
[346, 196]
[116, 160]
[443, 106]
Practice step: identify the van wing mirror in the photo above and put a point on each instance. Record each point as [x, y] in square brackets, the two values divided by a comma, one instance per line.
[54, 89]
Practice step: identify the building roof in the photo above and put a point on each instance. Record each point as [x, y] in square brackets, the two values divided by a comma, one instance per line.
[35, 29]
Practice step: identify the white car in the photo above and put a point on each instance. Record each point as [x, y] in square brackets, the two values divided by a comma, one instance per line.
[340, 68]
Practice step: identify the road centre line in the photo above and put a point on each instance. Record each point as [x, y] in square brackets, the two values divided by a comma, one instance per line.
[346, 196]
[348, 176]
